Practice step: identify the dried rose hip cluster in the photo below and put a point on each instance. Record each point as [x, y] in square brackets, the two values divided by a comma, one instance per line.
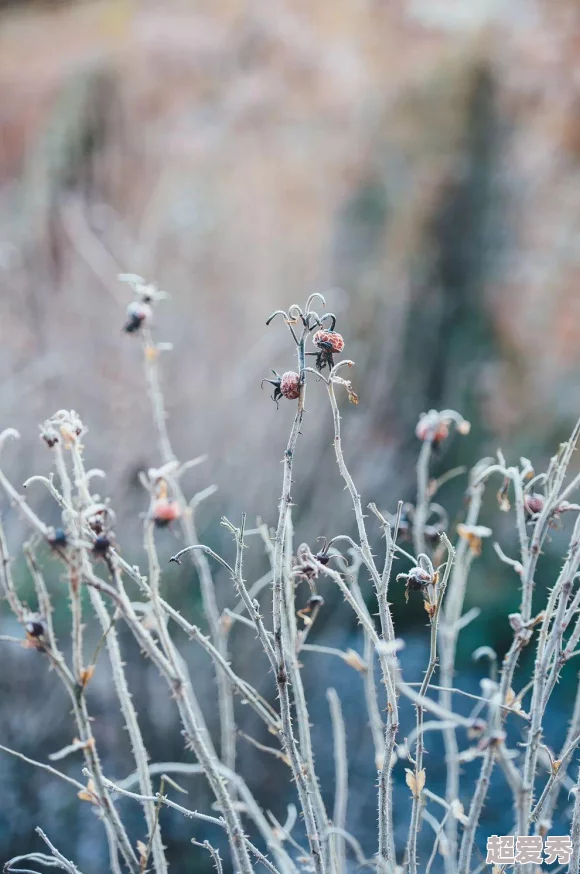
[327, 341]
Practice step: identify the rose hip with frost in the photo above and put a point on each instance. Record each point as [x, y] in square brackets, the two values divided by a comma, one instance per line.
[285, 386]
[329, 343]
[165, 511]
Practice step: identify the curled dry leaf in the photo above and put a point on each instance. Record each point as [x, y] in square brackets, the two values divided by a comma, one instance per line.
[512, 701]
[473, 534]
[352, 658]
[88, 794]
[86, 675]
[415, 781]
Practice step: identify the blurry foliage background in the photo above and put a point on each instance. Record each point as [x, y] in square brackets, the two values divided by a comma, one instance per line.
[416, 160]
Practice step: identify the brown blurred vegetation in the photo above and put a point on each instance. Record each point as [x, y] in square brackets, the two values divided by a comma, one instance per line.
[416, 160]
[423, 157]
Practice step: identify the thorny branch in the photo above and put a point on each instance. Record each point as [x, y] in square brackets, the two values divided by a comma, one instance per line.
[416, 536]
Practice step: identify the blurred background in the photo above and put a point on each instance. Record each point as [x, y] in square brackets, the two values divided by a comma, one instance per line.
[418, 162]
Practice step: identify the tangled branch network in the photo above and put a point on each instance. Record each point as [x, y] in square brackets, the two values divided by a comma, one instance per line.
[439, 558]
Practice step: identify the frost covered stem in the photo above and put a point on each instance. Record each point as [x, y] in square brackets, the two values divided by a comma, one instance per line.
[415, 823]
[386, 839]
[281, 643]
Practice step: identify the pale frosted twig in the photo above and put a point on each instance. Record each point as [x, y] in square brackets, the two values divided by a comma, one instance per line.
[66, 864]
[352, 842]
[194, 814]
[574, 865]
[212, 851]
[191, 714]
[415, 821]
[433, 707]
[71, 517]
[489, 757]
[120, 683]
[449, 631]
[274, 845]
[132, 725]
[207, 586]
[439, 837]
[278, 754]
[422, 506]
[190, 814]
[113, 851]
[78, 786]
[547, 643]
[248, 692]
[557, 775]
[340, 775]
[386, 830]
[172, 670]
[81, 715]
[573, 733]
[304, 778]
[505, 707]
[55, 860]
[252, 607]
[253, 591]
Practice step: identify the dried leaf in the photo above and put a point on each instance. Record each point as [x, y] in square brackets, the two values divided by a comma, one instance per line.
[430, 609]
[511, 701]
[226, 622]
[151, 353]
[86, 675]
[415, 781]
[88, 794]
[142, 850]
[167, 779]
[352, 396]
[556, 765]
[503, 500]
[306, 619]
[353, 659]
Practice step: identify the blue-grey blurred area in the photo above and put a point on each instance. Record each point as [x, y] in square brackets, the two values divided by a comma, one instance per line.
[418, 162]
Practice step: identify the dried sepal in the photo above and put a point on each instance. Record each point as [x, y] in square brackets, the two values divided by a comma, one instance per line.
[87, 675]
[473, 534]
[352, 658]
[89, 794]
[415, 781]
